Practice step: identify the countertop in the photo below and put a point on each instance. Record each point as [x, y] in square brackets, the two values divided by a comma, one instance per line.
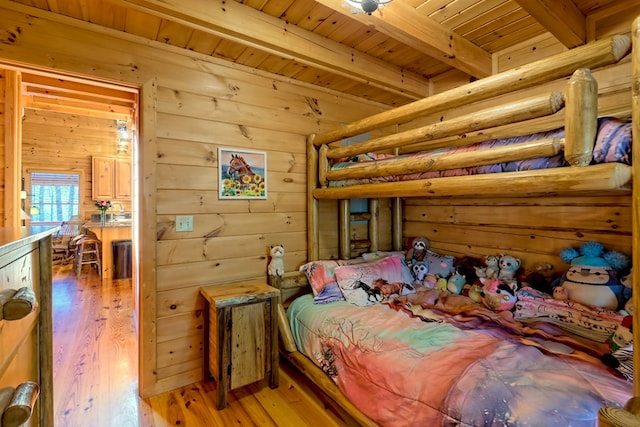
[11, 237]
[115, 224]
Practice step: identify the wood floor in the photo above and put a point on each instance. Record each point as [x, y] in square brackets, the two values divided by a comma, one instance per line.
[95, 372]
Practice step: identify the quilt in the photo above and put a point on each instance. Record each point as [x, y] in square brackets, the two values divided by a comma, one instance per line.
[406, 364]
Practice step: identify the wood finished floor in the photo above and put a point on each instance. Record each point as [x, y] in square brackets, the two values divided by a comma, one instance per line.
[95, 372]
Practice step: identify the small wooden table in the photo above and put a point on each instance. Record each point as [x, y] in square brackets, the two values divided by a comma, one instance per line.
[242, 330]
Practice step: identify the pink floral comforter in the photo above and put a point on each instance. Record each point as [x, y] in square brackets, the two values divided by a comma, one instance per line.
[401, 370]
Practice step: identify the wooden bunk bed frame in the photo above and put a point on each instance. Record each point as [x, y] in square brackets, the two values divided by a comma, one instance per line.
[580, 114]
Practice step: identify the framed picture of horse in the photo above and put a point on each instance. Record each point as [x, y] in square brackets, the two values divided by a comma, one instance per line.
[242, 174]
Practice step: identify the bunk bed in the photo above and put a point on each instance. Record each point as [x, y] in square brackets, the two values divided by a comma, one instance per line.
[498, 372]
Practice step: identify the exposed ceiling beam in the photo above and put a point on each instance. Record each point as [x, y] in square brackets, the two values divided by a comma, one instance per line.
[404, 23]
[562, 18]
[243, 24]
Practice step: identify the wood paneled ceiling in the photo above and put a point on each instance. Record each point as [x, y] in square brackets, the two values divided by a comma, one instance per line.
[389, 57]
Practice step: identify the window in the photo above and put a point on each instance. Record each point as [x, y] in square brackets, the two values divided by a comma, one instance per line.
[54, 196]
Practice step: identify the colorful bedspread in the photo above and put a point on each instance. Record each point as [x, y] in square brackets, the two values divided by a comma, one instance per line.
[403, 371]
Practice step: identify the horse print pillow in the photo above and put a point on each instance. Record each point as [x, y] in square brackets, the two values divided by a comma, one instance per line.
[372, 282]
[320, 275]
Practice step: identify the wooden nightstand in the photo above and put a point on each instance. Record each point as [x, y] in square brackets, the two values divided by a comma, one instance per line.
[242, 330]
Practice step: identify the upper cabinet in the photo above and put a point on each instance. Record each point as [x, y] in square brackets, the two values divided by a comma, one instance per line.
[123, 179]
[111, 178]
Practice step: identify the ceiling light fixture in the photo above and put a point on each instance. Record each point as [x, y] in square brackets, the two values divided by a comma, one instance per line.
[368, 6]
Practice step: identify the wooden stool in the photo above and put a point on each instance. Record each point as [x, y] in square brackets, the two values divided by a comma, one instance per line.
[88, 252]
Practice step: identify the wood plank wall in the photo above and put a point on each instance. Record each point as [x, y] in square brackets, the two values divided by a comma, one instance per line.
[2, 141]
[532, 229]
[202, 103]
[54, 141]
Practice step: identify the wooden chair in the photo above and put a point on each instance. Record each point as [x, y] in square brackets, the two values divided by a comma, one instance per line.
[61, 242]
[87, 252]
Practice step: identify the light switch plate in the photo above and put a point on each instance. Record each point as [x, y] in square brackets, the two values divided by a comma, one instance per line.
[184, 223]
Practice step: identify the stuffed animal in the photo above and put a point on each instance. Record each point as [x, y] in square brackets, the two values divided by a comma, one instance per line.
[490, 269]
[456, 283]
[592, 277]
[509, 265]
[621, 360]
[474, 291]
[621, 345]
[418, 251]
[441, 284]
[623, 334]
[419, 270]
[276, 265]
[499, 295]
[540, 277]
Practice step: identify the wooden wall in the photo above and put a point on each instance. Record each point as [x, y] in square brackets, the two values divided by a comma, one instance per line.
[2, 141]
[532, 229]
[193, 104]
[66, 142]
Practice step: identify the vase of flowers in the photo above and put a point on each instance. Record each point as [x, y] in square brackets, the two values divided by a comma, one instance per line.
[102, 206]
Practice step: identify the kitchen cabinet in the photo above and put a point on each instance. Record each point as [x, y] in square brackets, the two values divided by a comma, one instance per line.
[111, 178]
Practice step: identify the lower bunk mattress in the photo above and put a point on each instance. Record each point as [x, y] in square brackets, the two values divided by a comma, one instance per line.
[400, 370]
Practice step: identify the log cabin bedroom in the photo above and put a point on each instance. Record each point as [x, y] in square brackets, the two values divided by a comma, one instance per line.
[359, 212]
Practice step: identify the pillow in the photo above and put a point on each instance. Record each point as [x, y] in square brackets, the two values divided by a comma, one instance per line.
[440, 265]
[613, 142]
[321, 277]
[407, 276]
[357, 281]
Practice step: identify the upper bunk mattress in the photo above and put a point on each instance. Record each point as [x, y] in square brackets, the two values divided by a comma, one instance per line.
[613, 144]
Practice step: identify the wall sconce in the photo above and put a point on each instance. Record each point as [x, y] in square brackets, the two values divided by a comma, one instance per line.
[34, 210]
[124, 137]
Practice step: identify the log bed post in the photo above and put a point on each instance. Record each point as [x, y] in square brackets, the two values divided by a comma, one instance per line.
[581, 117]
[635, 248]
[396, 227]
[345, 228]
[313, 244]
[630, 415]
[374, 225]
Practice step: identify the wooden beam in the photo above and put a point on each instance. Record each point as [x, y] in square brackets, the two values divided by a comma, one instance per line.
[605, 177]
[245, 25]
[562, 18]
[403, 22]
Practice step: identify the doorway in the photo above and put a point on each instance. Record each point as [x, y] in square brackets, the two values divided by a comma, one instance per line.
[66, 122]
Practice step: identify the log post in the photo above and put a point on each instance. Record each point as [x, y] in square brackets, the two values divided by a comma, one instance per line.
[581, 117]
[345, 228]
[374, 224]
[313, 243]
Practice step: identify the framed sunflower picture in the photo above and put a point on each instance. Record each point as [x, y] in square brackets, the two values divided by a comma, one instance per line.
[242, 174]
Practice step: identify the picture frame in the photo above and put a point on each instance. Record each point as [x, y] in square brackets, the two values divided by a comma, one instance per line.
[242, 174]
